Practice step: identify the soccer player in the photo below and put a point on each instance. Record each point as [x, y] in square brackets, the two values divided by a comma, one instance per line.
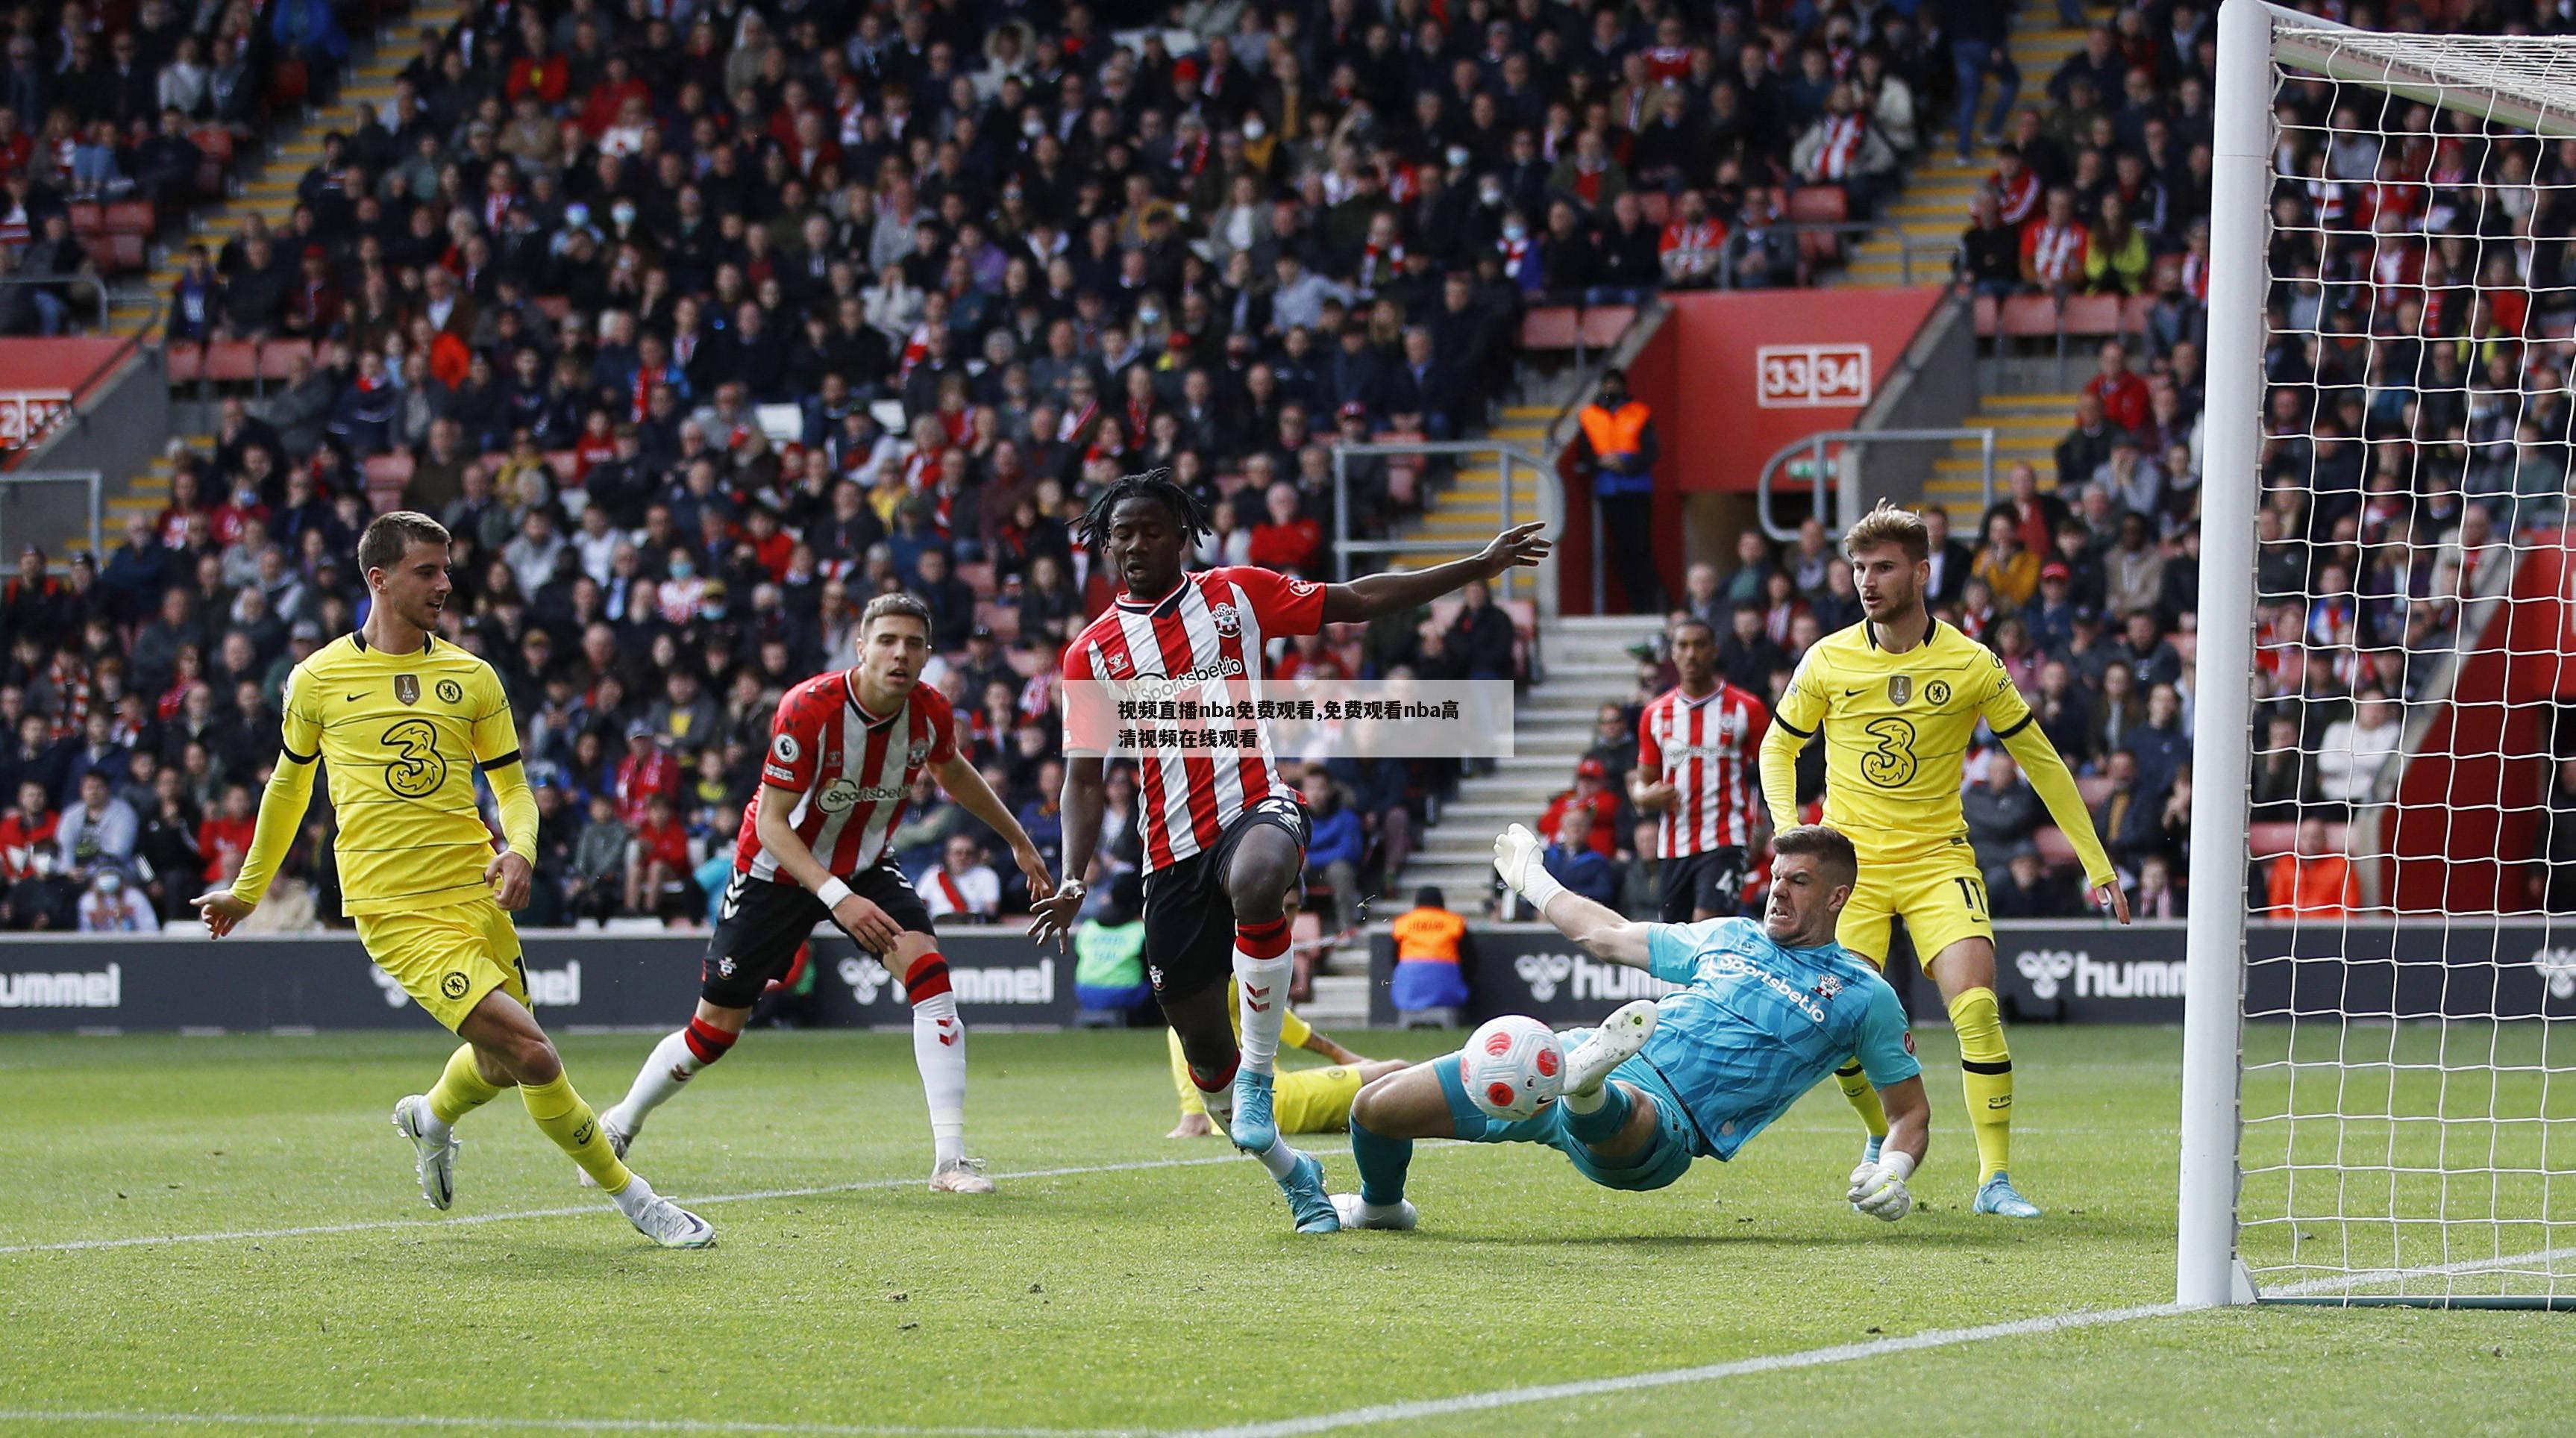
[1898, 696]
[403, 718]
[1316, 1100]
[1698, 746]
[1224, 837]
[1765, 1011]
[815, 846]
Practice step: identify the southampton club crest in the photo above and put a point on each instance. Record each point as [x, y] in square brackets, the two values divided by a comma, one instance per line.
[1228, 623]
[918, 752]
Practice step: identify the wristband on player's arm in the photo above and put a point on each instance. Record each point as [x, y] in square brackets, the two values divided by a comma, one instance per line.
[833, 892]
[1539, 887]
[1898, 1162]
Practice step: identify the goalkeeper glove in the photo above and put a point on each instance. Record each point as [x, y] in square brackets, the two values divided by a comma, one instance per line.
[1516, 858]
[1878, 1189]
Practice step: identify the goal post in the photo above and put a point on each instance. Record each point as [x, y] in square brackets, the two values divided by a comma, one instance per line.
[2376, 1126]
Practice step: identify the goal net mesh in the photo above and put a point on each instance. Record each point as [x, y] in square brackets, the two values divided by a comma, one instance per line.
[2409, 1056]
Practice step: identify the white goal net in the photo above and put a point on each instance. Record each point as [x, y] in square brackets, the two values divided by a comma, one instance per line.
[2388, 444]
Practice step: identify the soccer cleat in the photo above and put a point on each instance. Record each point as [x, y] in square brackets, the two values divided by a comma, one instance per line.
[1356, 1212]
[1251, 1126]
[668, 1224]
[1869, 1151]
[2001, 1198]
[1307, 1201]
[437, 1157]
[1621, 1037]
[960, 1175]
[619, 1140]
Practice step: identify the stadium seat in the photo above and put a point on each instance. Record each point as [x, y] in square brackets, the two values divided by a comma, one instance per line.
[1822, 205]
[2133, 314]
[386, 476]
[88, 217]
[1989, 312]
[2090, 317]
[1550, 327]
[126, 253]
[1602, 328]
[1002, 619]
[2094, 787]
[187, 362]
[232, 361]
[1026, 663]
[2263, 841]
[979, 577]
[214, 142]
[130, 217]
[2028, 317]
[565, 463]
[2055, 850]
[275, 356]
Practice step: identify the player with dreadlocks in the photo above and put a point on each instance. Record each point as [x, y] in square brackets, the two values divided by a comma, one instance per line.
[1224, 837]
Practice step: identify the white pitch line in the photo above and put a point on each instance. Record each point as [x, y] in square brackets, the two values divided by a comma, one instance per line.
[2374, 1276]
[374, 1225]
[1768, 1363]
[556, 1425]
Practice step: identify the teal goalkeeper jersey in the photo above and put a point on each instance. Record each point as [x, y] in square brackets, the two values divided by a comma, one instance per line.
[1757, 1024]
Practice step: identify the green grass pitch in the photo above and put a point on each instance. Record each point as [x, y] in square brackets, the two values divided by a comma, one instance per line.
[1149, 1299]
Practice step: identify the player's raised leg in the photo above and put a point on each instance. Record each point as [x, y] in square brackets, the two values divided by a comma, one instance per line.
[682, 1055]
[506, 1035]
[1965, 970]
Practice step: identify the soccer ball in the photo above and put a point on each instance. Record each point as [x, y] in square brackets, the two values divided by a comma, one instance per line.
[1512, 1067]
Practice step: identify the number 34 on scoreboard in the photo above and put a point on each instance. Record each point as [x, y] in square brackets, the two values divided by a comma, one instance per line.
[1811, 376]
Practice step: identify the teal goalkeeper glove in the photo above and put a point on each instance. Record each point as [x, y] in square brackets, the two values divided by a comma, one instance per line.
[1878, 1189]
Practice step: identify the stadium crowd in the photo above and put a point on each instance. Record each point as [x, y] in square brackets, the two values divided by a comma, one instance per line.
[699, 326]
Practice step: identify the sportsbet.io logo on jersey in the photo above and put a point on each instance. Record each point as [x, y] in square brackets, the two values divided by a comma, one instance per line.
[844, 792]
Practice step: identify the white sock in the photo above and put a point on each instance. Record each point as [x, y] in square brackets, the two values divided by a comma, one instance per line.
[1264, 984]
[1280, 1159]
[1219, 1102]
[673, 1063]
[939, 1051]
[1587, 1101]
[631, 1199]
[432, 1127]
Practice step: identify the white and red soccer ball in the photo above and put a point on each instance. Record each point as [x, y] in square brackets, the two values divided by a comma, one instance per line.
[1512, 1068]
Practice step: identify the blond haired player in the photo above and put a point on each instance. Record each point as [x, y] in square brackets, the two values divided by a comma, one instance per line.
[404, 718]
[1899, 695]
[1316, 1100]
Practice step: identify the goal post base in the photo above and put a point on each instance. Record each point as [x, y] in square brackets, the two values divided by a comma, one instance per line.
[2523, 1302]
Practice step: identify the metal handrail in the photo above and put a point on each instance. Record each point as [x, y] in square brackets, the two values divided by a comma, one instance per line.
[96, 479]
[1907, 249]
[94, 280]
[1848, 468]
[1551, 511]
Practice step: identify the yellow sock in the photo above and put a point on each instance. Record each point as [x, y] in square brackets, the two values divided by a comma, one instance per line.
[1864, 1098]
[1985, 1071]
[462, 1089]
[569, 1122]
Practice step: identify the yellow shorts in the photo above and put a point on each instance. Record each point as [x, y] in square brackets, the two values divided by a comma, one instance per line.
[449, 957]
[1315, 1100]
[1940, 895]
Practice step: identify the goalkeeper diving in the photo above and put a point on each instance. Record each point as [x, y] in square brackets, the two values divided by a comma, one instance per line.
[1766, 1010]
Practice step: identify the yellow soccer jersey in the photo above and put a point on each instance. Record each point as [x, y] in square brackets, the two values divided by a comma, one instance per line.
[399, 735]
[1897, 728]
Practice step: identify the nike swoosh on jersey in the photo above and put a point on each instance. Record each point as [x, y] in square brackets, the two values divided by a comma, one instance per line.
[354, 698]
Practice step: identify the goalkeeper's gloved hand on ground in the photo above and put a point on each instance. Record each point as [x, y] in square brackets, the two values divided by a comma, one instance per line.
[1516, 858]
[1878, 1189]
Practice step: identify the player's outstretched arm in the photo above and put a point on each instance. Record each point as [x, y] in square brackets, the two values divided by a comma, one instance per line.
[1396, 590]
[1086, 799]
[281, 815]
[1878, 1186]
[1601, 932]
[965, 783]
[2055, 784]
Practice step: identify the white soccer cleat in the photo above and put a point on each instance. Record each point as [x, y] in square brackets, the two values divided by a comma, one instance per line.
[1357, 1212]
[1621, 1037]
[661, 1220]
[619, 1140]
[960, 1175]
[437, 1157]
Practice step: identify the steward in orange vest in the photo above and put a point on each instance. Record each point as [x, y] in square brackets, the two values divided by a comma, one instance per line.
[1618, 450]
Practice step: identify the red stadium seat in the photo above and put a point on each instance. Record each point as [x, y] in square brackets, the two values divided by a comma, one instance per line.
[187, 361]
[1989, 312]
[88, 218]
[386, 476]
[130, 217]
[2056, 851]
[564, 462]
[2090, 316]
[2263, 841]
[1002, 619]
[2133, 314]
[1820, 204]
[1552, 327]
[979, 577]
[126, 253]
[2028, 317]
[2094, 787]
[214, 142]
[232, 361]
[276, 355]
[1601, 328]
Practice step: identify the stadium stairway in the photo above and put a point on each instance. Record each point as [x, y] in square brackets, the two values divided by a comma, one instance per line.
[270, 194]
[1924, 222]
[2027, 428]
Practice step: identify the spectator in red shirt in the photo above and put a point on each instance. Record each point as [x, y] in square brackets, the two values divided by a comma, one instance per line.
[646, 773]
[1591, 790]
[2122, 391]
[224, 836]
[26, 833]
[657, 873]
[1289, 539]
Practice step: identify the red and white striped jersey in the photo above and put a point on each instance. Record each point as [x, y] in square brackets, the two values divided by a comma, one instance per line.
[1205, 640]
[1709, 749]
[851, 771]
